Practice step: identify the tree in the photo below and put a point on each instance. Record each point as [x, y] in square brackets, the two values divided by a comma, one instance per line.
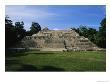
[87, 32]
[101, 35]
[83, 31]
[13, 34]
[92, 34]
[9, 32]
[8, 22]
[35, 28]
[20, 31]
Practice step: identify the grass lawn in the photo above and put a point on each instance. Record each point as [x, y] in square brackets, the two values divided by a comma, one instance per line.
[56, 61]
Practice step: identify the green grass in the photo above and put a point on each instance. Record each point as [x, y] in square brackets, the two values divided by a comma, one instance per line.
[56, 61]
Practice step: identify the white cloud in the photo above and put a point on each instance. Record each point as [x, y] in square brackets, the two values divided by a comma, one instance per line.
[56, 29]
[23, 11]
[28, 14]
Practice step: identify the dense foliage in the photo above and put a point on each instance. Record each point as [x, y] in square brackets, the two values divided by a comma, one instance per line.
[87, 32]
[14, 33]
[101, 35]
[35, 27]
[97, 37]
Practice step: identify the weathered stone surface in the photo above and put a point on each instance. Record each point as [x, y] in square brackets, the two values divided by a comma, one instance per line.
[57, 40]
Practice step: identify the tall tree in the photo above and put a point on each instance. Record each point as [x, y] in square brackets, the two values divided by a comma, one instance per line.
[92, 34]
[83, 30]
[20, 31]
[9, 32]
[13, 33]
[101, 35]
[35, 27]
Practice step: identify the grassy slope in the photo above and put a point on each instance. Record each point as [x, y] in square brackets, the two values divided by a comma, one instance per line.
[56, 61]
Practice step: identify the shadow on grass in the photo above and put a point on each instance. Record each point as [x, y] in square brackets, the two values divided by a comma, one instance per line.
[10, 54]
[18, 54]
[51, 68]
[27, 68]
[11, 62]
[31, 68]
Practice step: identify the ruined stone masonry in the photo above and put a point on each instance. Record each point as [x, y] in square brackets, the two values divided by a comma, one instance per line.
[57, 40]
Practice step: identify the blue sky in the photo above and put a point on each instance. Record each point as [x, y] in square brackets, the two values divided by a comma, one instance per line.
[57, 17]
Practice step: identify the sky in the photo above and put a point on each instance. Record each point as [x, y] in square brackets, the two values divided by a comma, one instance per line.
[57, 17]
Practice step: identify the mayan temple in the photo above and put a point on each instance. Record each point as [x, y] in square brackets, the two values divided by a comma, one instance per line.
[57, 40]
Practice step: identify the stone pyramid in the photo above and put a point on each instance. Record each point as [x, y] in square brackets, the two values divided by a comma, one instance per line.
[57, 40]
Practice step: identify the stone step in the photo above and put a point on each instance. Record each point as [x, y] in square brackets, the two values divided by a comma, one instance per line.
[53, 49]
